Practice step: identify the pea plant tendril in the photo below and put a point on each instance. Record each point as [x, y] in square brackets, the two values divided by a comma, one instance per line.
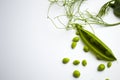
[74, 14]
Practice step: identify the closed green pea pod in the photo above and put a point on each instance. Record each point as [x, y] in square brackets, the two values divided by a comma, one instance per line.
[117, 11]
[116, 8]
[96, 45]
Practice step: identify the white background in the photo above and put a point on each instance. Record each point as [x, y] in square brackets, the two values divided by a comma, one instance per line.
[31, 48]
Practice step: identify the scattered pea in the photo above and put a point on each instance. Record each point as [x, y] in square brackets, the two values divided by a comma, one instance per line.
[101, 67]
[73, 45]
[76, 62]
[84, 62]
[109, 64]
[77, 33]
[86, 49]
[76, 74]
[75, 39]
[65, 60]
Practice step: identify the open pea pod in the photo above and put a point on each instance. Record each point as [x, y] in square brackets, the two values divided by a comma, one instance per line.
[101, 50]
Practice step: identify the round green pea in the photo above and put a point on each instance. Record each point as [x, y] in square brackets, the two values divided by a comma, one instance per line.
[65, 60]
[84, 62]
[86, 49]
[107, 53]
[76, 74]
[77, 33]
[101, 67]
[109, 64]
[75, 39]
[76, 62]
[92, 40]
[73, 45]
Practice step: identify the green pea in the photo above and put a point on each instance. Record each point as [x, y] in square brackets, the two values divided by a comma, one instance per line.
[86, 49]
[109, 64]
[92, 40]
[84, 62]
[76, 74]
[65, 60]
[76, 62]
[101, 67]
[107, 53]
[73, 45]
[77, 33]
[75, 39]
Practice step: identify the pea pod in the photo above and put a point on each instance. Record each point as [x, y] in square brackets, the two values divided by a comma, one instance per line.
[95, 45]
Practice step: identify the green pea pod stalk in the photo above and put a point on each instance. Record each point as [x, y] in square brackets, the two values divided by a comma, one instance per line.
[101, 51]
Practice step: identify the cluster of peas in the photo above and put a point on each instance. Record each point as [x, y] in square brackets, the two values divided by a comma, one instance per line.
[76, 73]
